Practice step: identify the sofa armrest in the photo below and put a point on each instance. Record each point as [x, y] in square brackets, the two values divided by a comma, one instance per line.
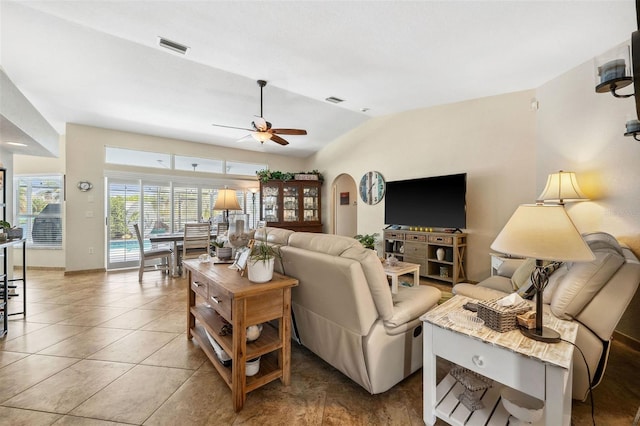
[411, 303]
[477, 291]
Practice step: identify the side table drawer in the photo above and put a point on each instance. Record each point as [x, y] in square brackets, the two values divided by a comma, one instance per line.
[199, 285]
[502, 365]
[220, 300]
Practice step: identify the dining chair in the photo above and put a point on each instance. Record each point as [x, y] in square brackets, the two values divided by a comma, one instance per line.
[158, 253]
[197, 239]
[222, 227]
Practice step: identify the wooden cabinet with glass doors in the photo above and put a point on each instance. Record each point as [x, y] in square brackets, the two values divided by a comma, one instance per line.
[292, 204]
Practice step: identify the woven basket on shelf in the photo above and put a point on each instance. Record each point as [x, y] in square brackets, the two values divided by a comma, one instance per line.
[500, 318]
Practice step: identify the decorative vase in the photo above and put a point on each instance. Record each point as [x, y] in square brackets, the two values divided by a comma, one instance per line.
[223, 253]
[260, 271]
[440, 253]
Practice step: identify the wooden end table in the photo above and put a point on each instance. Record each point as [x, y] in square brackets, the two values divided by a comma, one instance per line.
[542, 370]
[402, 268]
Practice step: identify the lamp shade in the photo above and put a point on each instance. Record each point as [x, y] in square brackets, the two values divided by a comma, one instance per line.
[562, 187]
[542, 232]
[227, 200]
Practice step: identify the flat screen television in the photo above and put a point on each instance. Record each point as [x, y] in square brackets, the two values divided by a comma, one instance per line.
[434, 202]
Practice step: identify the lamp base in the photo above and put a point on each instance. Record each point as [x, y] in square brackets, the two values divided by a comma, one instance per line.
[546, 335]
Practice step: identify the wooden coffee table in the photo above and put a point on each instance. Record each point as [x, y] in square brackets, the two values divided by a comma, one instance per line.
[402, 268]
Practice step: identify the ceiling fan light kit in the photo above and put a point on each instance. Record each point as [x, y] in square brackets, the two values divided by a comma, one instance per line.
[261, 129]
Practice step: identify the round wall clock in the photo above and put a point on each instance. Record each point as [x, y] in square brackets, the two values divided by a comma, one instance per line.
[372, 187]
[84, 186]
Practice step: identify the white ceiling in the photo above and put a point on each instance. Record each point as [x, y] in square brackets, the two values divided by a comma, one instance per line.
[98, 62]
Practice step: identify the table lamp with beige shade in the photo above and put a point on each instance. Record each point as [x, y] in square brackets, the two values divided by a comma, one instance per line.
[227, 200]
[544, 233]
[562, 187]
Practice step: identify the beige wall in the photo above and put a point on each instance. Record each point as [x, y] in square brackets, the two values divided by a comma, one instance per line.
[491, 139]
[582, 131]
[85, 161]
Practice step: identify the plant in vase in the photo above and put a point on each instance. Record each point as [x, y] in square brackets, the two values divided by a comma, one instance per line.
[222, 252]
[261, 261]
[5, 226]
[367, 240]
[9, 231]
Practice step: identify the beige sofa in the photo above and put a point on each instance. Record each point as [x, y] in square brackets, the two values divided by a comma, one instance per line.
[344, 311]
[595, 294]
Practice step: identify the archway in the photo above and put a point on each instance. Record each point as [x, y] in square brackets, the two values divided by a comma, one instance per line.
[344, 207]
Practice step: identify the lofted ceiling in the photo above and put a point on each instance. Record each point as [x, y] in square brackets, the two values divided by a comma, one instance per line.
[98, 62]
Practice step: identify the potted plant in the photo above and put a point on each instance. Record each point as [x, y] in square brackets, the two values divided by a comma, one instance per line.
[367, 240]
[222, 252]
[261, 261]
[5, 228]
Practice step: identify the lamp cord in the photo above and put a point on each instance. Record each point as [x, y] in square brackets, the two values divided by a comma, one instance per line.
[593, 418]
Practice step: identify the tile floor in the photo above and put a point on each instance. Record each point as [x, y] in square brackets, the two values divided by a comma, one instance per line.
[102, 349]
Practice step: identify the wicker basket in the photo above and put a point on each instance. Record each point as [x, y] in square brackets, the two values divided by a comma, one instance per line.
[500, 318]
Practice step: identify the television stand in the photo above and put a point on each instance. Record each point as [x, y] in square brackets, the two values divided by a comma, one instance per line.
[447, 264]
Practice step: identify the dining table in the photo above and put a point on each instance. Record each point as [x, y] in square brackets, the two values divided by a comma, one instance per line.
[174, 239]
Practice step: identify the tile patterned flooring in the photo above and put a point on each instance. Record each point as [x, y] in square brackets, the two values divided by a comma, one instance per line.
[102, 349]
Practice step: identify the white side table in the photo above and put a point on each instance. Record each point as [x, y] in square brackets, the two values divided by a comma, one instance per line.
[402, 268]
[539, 369]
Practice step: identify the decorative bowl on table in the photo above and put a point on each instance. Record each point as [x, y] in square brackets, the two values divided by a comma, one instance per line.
[524, 409]
[466, 319]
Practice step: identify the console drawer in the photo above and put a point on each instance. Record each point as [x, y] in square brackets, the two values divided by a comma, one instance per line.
[199, 285]
[442, 239]
[503, 365]
[416, 237]
[394, 235]
[415, 250]
[220, 300]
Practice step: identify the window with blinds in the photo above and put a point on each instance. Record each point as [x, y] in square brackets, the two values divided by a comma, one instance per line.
[38, 209]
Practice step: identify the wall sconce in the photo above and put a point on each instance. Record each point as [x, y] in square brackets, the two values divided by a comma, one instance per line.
[614, 71]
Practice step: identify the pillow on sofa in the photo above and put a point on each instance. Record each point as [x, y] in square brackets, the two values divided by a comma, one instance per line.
[520, 277]
[582, 281]
[552, 285]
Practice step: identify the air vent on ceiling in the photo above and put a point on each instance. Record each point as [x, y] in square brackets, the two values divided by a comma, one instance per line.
[334, 100]
[172, 45]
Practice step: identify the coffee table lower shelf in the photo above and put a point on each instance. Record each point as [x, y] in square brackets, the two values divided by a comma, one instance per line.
[449, 409]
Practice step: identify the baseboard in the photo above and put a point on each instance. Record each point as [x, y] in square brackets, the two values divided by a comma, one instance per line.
[85, 271]
[627, 340]
[43, 268]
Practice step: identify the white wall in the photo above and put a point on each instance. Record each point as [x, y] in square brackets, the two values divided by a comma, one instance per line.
[491, 139]
[85, 161]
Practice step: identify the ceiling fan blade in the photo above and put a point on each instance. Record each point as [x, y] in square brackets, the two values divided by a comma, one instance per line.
[278, 139]
[289, 131]
[244, 137]
[232, 127]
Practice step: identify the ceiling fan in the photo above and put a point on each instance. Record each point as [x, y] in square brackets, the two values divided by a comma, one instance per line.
[261, 129]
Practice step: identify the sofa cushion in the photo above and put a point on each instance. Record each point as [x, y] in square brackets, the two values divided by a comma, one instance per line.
[277, 236]
[582, 281]
[333, 245]
[552, 285]
[509, 266]
[521, 275]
